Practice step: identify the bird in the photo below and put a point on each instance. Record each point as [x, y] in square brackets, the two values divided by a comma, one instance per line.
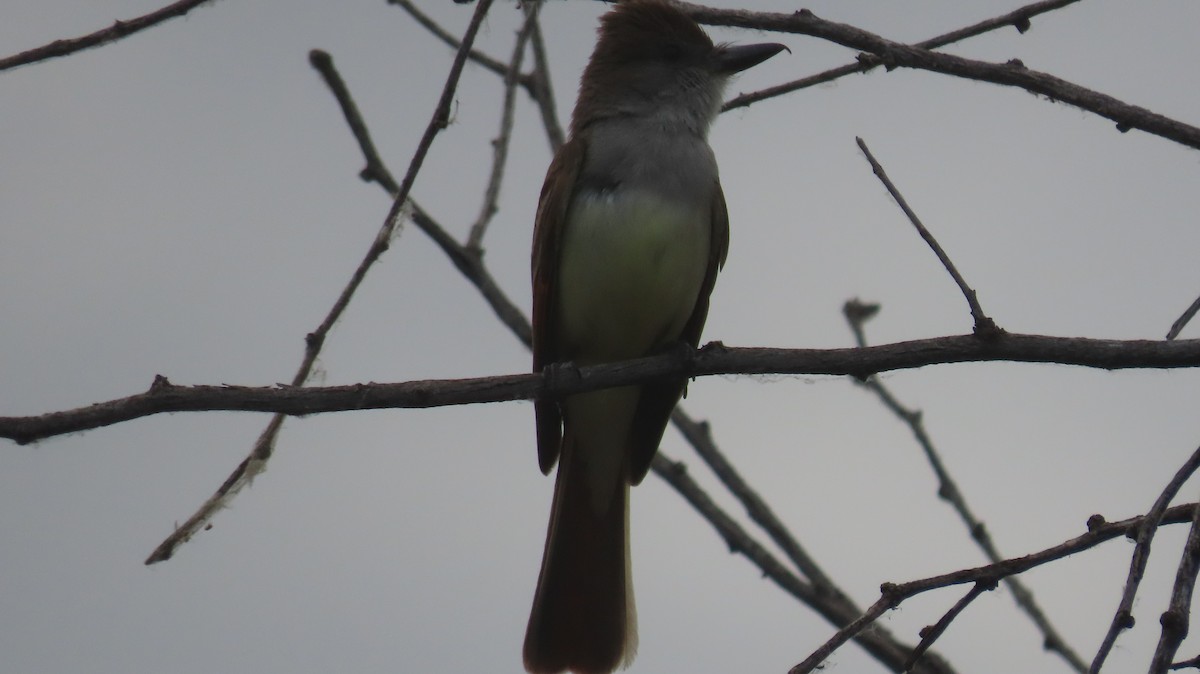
[630, 231]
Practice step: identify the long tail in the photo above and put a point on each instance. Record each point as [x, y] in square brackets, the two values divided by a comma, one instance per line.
[583, 616]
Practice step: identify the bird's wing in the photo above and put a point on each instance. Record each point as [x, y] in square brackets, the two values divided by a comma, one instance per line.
[547, 237]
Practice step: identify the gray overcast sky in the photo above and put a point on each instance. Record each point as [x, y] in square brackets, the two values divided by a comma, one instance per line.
[185, 203]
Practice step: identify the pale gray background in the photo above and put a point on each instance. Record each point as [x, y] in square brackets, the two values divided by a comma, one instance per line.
[185, 203]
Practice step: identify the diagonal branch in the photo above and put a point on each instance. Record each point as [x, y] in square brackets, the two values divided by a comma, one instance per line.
[1175, 619]
[893, 594]
[375, 170]
[256, 462]
[468, 262]
[491, 193]
[984, 327]
[118, 30]
[857, 313]
[699, 436]
[932, 633]
[536, 83]
[1185, 318]
[879, 642]
[1012, 73]
[1123, 618]
[451, 40]
[543, 92]
[1018, 18]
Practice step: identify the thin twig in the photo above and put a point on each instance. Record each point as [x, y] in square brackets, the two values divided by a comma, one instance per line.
[932, 633]
[892, 594]
[984, 326]
[850, 631]
[450, 39]
[825, 597]
[857, 313]
[374, 170]
[1012, 73]
[1123, 618]
[1018, 18]
[118, 30]
[1175, 619]
[1191, 663]
[469, 262]
[882, 645]
[255, 463]
[491, 194]
[536, 83]
[698, 434]
[542, 90]
[1182, 321]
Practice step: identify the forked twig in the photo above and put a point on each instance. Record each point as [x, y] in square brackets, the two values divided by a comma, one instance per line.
[879, 642]
[1123, 618]
[536, 83]
[892, 594]
[933, 632]
[1175, 619]
[450, 39]
[857, 313]
[698, 435]
[1012, 73]
[1018, 18]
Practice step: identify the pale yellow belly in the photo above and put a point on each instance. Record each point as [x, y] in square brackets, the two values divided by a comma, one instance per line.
[630, 272]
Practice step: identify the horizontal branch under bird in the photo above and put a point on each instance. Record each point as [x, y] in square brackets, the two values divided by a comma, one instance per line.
[565, 379]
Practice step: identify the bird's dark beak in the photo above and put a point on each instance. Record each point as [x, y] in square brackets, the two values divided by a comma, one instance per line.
[735, 59]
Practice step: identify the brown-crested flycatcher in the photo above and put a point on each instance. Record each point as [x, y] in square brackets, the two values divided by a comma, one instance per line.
[631, 230]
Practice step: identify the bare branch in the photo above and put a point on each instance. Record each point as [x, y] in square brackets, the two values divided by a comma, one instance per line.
[1012, 73]
[491, 193]
[857, 314]
[892, 594]
[697, 434]
[543, 92]
[469, 262]
[536, 83]
[713, 359]
[255, 463]
[879, 642]
[1019, 18]
[118, 30]
[375, 170]
[1191, 663]
[1175, 620]
[932, 633]
[984, 327]
[451, 40]
[1123, 618]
